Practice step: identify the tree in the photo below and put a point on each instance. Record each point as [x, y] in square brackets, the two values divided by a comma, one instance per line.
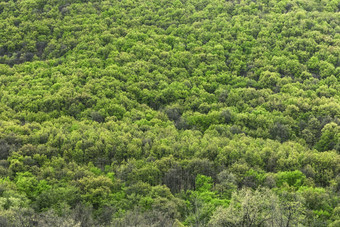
[258, 208]
[96, 190]
[330, 138]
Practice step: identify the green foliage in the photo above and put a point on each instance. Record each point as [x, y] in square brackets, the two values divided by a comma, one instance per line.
[295, 178]
[260, 207]
[330, 138]
[203, 201]
[203, 183]
[169, 113]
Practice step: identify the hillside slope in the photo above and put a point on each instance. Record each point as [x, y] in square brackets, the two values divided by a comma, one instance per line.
[169, 113]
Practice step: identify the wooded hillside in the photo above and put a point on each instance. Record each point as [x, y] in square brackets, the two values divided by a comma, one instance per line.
[169, 113]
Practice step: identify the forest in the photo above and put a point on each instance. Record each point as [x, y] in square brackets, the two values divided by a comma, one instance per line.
[169, 113]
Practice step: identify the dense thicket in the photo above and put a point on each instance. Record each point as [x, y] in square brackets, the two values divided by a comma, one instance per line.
[169, 113]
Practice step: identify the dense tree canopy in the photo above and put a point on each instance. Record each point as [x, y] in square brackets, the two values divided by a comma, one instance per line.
[169, 113]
